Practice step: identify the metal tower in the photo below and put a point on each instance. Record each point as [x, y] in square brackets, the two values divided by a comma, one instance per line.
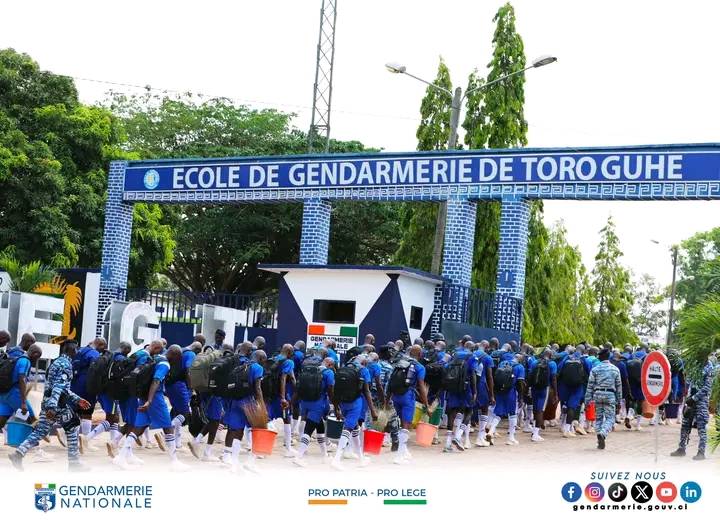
[322, 90]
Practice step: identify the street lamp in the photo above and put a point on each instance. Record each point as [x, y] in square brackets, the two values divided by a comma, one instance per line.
[457, 99]
[671, 311]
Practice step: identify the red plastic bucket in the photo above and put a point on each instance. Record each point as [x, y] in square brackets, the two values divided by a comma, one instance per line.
[590, 411]
[424, 434]
[263, 441]
[648, 411]
[372, 441]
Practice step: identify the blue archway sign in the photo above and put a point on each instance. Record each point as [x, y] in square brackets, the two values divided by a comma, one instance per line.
[514, 176]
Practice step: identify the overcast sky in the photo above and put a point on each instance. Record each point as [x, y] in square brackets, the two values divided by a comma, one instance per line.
[628, 73]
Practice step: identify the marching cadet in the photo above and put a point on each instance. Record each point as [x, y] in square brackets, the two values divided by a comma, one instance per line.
[59, 405]
[605, 388]
[697, 409]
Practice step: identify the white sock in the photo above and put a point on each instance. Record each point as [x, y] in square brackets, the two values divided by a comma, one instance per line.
[170, 446]
[248, 437]
[448, 439]
[513, 425]
[199, 438]
[178, 437]
[178, 420]
[301, 426]
[146, 435]
[85, 426]
[631, 413]
[303, 446]
[344, 440]
[99, 429]
[403, 438]
[482, 423]
[322, 441]
[536, 432]
[207, 451]
[127, 448]
[356, 443]
[494, 423]
[457, 426]
[294, 424]
[235, 450]
[287, 435]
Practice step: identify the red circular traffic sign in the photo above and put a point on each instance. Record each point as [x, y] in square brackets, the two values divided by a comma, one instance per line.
[655, 378]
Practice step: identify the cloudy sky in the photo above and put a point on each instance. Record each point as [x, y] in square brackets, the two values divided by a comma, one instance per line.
[629, 73]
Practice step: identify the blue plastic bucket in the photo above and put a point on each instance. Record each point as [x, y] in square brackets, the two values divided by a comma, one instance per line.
[17, 432]
[334, 428]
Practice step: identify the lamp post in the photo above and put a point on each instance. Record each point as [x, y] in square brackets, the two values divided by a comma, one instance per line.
[671, 310]
[455, 106]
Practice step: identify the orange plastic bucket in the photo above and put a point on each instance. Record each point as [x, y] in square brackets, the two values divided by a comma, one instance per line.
[648, 411]
[424, 434]
[372, 441]
[263, 441]
[590, 411]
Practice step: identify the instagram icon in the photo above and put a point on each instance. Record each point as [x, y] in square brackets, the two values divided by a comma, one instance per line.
[594, 492]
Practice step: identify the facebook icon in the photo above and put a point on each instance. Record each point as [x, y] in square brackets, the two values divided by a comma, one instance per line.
[571, 492]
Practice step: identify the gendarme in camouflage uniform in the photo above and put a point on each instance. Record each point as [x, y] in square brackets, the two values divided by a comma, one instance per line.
[697, 410]
[605, 389]
[60, 400]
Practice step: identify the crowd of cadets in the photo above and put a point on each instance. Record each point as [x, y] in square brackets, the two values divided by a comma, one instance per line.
[477, 384]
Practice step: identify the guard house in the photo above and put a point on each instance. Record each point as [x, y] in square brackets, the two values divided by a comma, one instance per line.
[345, 302]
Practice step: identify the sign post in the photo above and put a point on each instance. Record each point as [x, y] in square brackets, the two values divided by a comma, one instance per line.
[655, 382]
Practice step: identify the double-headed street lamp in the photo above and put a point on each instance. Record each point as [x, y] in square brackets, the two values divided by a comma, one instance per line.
[457, 99]
[671, 311]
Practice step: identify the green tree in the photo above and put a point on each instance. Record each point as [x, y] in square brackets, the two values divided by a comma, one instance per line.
[24, 277]
[419, 219]
[699, 267]
[648, 318]
[218, 247]
[613, 291]
[53, 157]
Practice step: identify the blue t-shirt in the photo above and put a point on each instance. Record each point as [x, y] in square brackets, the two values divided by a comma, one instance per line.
[332, 354]
[287, 366]
[188, 356]
[328, 380]
[141, 357]
[22, 368]
[484, 361]
[639, 355]
[162, 367]
[80, 363]
[255, 372]
[15, 352]
[374, 370]
[298, 357]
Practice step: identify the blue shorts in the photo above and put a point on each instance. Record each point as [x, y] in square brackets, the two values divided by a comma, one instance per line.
[352, 412]
[636, 391]
[212, 405]
[157, 416]
[571, 397]
[107, 404]
[539, 398]
[459, 401]
[404, 406]
[314, 411]
[483, 398]
[179, 396]
[128, 409]
[506, 403]
[10, 402]
[235, 418]
[275, 410]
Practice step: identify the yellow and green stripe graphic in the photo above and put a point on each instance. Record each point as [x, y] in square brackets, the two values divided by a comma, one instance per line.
[404, 501]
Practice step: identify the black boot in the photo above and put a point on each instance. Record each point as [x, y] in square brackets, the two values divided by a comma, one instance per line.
[699, 456]
[679, 453]
[601, 441]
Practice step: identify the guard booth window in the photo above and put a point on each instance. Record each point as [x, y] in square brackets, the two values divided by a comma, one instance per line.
[333, 311]
[416, 317]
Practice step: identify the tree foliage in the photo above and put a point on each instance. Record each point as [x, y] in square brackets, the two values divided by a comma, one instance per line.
[613, 291]
[25, 277]
[699, 267]
[648, 318]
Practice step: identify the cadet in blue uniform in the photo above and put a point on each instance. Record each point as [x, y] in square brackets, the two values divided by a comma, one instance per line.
[81, 362]
[352, 411]
[620, 362]
[404, 402]
[330, 347]
[299, 354]
[16, 398]
[485, 390]
[604, 387]
[314, 413]
[58, 406]
[636, 393]
[153, 411]
[506, 400]
[544, 370]
[460, 404]
[697, 410]
[279, 407]
[235, 417]
[177, 387]
[572, 374]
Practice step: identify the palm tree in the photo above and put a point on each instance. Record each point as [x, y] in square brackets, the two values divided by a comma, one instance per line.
[25, 278]
[699, 336]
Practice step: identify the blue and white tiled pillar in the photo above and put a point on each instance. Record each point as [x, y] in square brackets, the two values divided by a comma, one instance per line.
[510, 289]
[315, 235]
[116, 240]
